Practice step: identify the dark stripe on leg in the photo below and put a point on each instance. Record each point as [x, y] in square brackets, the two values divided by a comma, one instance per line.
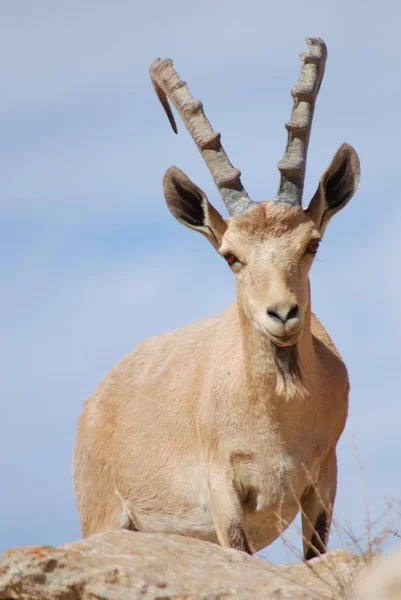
[320, 535]
[237, 538]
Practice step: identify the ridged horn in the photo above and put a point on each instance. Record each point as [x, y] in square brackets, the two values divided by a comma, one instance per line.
[168, 84]
[293, 165]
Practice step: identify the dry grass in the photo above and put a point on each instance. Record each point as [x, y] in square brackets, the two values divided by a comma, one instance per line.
[359, 550]
[378, 536]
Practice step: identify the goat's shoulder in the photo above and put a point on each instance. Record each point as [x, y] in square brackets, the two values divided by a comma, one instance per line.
[330, 365]
[324, 345]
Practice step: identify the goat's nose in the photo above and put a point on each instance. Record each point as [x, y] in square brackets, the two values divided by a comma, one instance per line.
[283, 313]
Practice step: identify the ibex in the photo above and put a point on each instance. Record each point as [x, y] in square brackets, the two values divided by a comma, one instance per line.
[226, 428]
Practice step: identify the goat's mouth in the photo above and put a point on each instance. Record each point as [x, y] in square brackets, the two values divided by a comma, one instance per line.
[283, 341]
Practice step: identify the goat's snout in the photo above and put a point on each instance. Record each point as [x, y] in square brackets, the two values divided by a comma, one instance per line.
[283, 312]
[284, 320]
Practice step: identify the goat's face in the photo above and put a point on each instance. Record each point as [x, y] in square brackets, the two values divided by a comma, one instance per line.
[271, 250]
[271, 246]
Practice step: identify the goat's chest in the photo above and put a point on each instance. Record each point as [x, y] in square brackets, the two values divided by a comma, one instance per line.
[266, 479]
[271, 467]
[271, 487]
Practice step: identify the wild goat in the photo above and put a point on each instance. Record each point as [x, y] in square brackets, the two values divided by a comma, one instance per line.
[225, 428]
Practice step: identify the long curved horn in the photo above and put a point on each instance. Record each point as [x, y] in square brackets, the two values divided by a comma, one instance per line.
[168, 84]
[293, 165]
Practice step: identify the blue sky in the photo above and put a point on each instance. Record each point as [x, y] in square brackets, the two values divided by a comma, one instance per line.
[92, 260]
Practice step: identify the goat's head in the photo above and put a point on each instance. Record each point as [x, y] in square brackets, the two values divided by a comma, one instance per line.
[268, 245]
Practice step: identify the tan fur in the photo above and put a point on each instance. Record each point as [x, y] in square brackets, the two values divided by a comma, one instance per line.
[188, 431]
[225, 428]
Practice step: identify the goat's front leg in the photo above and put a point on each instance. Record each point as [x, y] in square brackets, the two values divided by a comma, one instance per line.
[317, 507]
[228, 512]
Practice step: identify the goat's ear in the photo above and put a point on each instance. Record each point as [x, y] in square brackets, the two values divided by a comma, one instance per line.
[336, 188]
[189, 205]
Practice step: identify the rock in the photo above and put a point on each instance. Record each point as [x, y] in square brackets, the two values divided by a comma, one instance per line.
[128, 565]
[383, 580]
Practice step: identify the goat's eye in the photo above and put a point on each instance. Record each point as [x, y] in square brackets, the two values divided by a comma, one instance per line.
[230, 259]
[313, 247]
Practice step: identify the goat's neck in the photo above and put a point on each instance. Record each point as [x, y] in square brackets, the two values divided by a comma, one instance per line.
[261, 364]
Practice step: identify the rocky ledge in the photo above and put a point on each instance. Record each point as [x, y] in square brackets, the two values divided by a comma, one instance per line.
[127, 565]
